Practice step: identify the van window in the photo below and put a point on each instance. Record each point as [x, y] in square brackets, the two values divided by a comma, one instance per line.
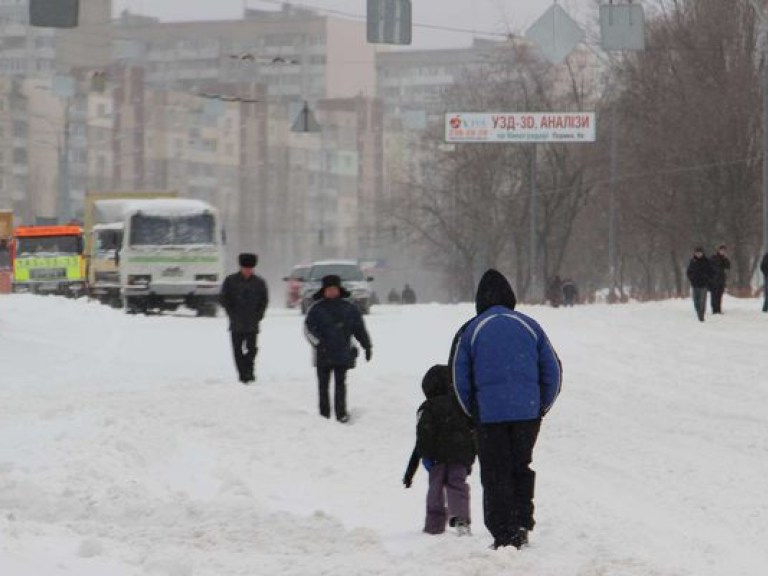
[151, 230]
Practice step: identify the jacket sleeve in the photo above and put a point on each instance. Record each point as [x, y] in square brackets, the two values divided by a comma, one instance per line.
[461, 366]
[358, 329]
[413, 465]
[263, 301]
[313, 327]
[225, 296]
[764, 264]
[550, 373]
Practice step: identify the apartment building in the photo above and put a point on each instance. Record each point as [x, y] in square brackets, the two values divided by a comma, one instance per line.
[31, 51]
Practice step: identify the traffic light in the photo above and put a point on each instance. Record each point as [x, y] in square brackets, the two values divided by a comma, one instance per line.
[54, 13]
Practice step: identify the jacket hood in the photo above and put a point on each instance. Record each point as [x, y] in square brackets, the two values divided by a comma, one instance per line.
[436, 381]
[494, 290]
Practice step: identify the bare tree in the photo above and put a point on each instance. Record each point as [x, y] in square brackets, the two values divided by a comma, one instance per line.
[472, 204]
[689, 108]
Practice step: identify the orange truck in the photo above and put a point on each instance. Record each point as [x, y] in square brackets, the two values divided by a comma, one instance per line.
[48, 260]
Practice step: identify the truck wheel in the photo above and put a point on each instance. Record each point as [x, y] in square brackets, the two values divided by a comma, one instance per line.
[133, 305]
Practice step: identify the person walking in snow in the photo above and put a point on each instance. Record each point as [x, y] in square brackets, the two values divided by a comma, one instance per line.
[445, 444]
[764, 270]
[331, 322]
[409, 296]
[699, 274]
[244, 296]
[720, 265]
[507, 377]
[570, 292]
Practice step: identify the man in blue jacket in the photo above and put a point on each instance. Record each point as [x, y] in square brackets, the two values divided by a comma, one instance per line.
[506, 376]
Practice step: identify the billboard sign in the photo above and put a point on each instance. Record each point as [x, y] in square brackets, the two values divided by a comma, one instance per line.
[552, 127]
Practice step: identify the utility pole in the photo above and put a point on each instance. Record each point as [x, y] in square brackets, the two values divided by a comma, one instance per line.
[612, 207]
[534, 227]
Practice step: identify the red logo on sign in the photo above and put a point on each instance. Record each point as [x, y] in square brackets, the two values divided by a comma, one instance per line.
[455, 122]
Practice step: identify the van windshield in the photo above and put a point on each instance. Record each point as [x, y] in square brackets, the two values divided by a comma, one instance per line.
[344, 271]
[151, 230]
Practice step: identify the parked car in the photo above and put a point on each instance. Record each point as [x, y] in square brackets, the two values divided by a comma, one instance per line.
[352, 278]
[294, 282]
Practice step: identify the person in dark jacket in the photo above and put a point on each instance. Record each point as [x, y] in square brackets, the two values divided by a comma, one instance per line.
[555, 292]
[764, 270]
[244, 296]
[409, 296]
[506, 376]
[393, 297]
[330, 324]
[720, 265]
[445, 444]
[699, 274]
[570, 292]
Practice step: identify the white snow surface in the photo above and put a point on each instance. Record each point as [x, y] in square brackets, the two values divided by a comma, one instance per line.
[127, 447]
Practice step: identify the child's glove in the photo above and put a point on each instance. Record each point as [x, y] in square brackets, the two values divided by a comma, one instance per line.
[368, 354]
[427, 463]
[407, 481]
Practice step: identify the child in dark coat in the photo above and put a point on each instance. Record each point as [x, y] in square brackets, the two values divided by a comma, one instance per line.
[445, 444]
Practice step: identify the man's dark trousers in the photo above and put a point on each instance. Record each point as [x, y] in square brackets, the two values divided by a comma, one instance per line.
[717, 292]
[339, 393]
[244, 348]
[505, 451]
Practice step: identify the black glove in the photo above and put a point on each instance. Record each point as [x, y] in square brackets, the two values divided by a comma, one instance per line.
[407, 481]
[368, 354]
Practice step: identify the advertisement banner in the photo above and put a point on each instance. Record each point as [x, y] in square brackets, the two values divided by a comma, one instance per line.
[520, 127]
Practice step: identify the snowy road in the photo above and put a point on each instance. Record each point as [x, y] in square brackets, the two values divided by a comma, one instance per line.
[127, 447]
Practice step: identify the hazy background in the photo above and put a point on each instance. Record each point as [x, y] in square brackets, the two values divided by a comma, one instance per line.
[491, 16]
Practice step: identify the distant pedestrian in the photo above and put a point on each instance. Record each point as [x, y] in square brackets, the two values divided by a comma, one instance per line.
[446, 447]
[699, 274]
[409, 296]
[331, 322]
[507, 376]
[555, 292]
[720, 265]
[570, 292]
[764, 270]
[393, 297]
[244, 296]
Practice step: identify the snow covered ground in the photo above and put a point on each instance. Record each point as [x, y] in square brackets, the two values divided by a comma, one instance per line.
[127, 447]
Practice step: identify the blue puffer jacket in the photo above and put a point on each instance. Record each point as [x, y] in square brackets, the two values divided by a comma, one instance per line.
[504, 367]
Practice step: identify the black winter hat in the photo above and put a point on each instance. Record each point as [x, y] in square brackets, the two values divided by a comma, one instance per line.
[327, 282]
[494, 290]
[247, 260]
[437, 381]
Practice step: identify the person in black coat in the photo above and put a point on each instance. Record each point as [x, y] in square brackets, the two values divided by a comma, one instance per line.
[409, 296]
[445, 443]
[244, 296]
[764, 270]
[699, 274]
[330, 324]
[720, 266]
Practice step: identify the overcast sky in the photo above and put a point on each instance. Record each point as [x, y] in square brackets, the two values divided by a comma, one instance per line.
[496, 16]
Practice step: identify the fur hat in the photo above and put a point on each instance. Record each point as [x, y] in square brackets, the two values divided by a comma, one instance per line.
[247, 260]
[327, 282]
